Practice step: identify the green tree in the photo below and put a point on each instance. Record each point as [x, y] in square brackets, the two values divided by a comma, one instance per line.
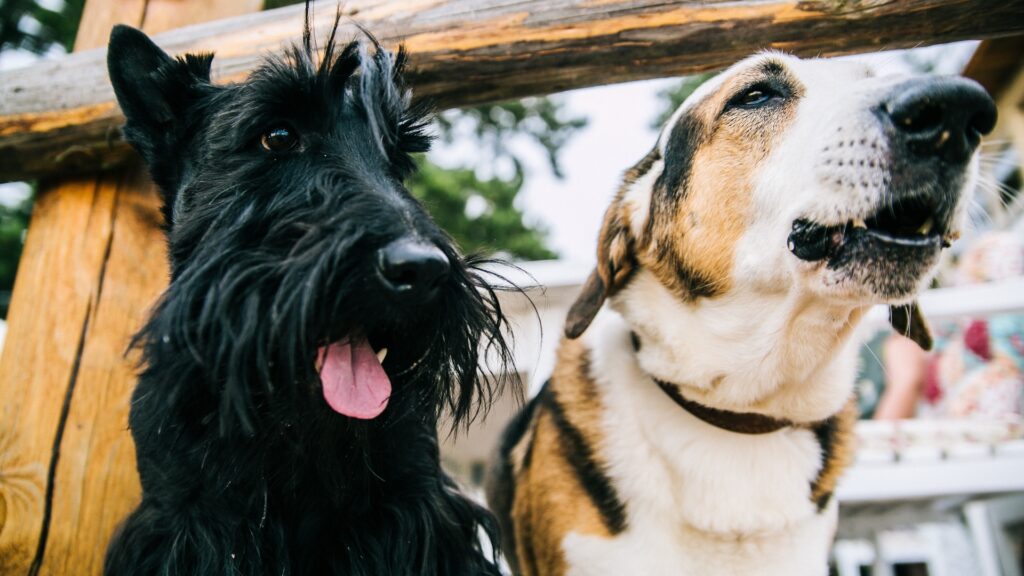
[479, 213]
[13, 222]
[29, 25]
[543, 120]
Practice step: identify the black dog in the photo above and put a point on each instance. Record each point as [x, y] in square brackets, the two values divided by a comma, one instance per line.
[270, 438]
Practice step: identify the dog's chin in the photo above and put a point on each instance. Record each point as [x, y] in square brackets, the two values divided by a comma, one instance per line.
[883, 270]
[884, 257]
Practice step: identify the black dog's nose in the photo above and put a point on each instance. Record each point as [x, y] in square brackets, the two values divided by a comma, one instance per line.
[411, 268]
[942, 117]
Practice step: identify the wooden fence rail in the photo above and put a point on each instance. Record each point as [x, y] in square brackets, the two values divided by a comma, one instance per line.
[60, 116]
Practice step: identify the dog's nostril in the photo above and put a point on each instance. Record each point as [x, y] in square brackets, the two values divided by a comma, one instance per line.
[408, 267]
[941, 117]
[981, 123]
[926, 118]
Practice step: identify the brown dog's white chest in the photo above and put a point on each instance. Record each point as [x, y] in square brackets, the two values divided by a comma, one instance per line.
[699, 500]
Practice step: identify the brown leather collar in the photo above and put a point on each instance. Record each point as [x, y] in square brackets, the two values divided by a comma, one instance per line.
[739, 422]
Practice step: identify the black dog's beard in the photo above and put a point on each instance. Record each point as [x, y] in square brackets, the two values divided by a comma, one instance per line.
[250, 328]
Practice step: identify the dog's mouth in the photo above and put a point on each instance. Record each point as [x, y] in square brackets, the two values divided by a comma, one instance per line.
[353, 379]
[909, 228]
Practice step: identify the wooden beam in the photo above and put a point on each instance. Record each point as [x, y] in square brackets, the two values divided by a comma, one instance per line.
[61, 116]
[995, 63]
[94, 262]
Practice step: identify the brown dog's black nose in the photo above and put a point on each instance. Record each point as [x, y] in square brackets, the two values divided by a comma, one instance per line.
[412, 269]
[941, 117]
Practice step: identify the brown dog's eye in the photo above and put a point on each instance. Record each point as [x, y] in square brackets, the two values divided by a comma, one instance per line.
[754, 97]
[279, 139]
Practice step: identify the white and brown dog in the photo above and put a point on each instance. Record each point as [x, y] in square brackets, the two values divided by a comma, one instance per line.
[699, 425]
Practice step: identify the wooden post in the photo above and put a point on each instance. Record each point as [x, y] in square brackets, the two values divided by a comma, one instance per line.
[998, 65]
[94, 262]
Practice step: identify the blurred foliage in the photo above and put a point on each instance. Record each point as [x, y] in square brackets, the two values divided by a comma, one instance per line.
[36, 27]
[271, 4]
[454, 195]
[541, 119]
[673, 96]
[13, 222]
[479, 213]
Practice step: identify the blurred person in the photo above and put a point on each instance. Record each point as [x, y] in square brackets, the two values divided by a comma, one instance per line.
[977, 368]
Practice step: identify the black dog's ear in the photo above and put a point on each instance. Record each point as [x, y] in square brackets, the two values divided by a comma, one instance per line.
[909, 321]
[151, 87]
[134, 63]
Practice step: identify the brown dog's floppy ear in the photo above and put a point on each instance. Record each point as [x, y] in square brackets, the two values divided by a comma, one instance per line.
[909, 321]
[615, 262]
[583, 310]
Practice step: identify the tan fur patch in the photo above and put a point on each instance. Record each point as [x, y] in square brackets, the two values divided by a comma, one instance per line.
[550, 499]
[574, 387]
[693, 232]
[615, 261]
[615, 243]
[707, 226]
[838, 455]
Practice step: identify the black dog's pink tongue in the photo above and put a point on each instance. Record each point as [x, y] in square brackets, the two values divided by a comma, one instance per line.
[353, 380]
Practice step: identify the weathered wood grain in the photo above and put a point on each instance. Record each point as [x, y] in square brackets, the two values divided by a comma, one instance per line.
[93, 264]
[94, 481]
[50, 309]
[61, 116]
[994, 63]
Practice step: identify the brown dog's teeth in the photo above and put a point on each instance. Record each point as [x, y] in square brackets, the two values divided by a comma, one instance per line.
[926, 227]
[837, 238]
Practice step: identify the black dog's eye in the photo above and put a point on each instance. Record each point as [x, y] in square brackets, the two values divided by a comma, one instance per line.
[280, 139]
[754, 97]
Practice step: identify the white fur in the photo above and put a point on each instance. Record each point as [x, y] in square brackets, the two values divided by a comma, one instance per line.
[835, 123]
[778, 354]
[700, 501]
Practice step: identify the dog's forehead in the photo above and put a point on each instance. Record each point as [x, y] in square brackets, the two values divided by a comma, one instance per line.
[833, 79]
[814, 76]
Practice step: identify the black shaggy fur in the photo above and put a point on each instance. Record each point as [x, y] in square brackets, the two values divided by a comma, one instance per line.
[245, 469]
